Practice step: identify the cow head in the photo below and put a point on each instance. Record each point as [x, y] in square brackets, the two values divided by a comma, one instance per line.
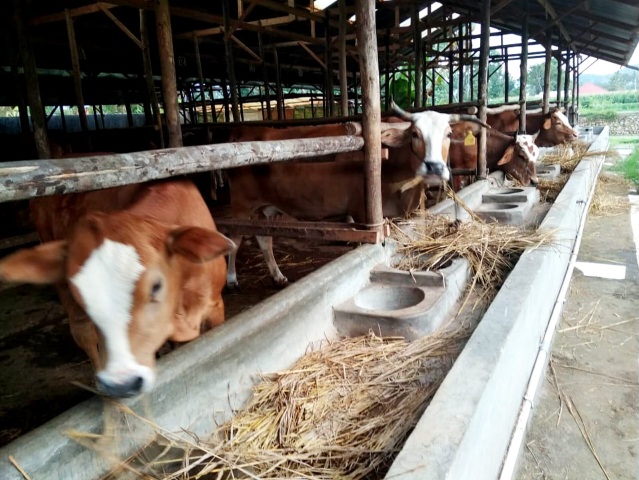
[556, 129]
[430, 135]
[519, 160]
[126, 272]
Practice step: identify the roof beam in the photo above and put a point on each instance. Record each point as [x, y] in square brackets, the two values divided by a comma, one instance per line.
[553, 13]
[74, 12]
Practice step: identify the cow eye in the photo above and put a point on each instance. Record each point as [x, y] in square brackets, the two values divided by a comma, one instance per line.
[155, 290]
[450, 134]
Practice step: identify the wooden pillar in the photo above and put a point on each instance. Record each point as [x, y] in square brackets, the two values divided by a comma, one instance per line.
[371, 117]
[18, 86]
[546, 95]
[230, 64]
[355, 93]
[409, 77]
[167, 65]
[506, 73]
[523, 70]
[77, 78]
[32, 85]
[460, 67]
[267, 93]
[388, 71]
[575, 82]
[483, 84]
[567, 80]
[227, 101]
[559, 61]
[417, 42]
[343, 76]
[200, 74]
[432, 82]
[278, 87]
[63, 119]
[328, 94]
[148, 75]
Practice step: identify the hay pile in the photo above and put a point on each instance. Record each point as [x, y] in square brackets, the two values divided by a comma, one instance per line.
[492, 249]
[605, 203]
[341, 412]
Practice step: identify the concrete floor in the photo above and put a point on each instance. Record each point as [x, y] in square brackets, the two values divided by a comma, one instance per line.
[584, 424]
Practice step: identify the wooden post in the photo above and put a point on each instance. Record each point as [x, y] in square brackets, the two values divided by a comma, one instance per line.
[573, 107]
[506, 73]
[483, 85]
[460, 67]
[267, 93]
[200, 74]
[227, 101]
[559, 59]
[371, 115]
[77, 78]
[388, 71]
[167, 64]
[523, 79]
[567, 80]
[63, 119]
[328, 94]
[18, 85]
[355, 93]
[148, 75]
[213, 110]
[343, 75]
[546, 96]
[230, 64]
[417, 42]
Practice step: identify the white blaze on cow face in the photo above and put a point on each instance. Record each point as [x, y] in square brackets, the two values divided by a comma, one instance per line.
[561, 119]
[106, 283]
[435, 134]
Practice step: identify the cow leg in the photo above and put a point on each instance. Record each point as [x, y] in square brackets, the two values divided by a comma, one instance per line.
[266, 245]
[231, 273]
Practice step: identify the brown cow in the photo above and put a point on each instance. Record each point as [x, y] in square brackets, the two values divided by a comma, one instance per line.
[553, 127]
[134, 266]
[317, 191]
[515, 156]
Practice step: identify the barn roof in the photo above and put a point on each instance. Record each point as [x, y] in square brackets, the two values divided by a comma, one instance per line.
[112, 65]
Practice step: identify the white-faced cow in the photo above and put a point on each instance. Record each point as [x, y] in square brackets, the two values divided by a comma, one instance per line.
[324, 190]
[134, 266]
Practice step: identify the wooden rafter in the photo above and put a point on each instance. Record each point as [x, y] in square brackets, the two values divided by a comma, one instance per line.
[120, 25]
[312, 54]
[246, 49]
[73, 12]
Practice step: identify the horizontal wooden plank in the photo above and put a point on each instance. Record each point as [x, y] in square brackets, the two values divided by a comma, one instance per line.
[347, 232]
[35, 178]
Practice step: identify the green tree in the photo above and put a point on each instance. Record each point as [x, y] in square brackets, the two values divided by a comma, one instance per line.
[535, 83]
[621, 80]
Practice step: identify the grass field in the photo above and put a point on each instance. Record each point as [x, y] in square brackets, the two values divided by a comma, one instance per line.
[629, 166]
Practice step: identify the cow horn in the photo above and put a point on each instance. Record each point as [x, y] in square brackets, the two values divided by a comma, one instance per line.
[459, 117]
[402, 113]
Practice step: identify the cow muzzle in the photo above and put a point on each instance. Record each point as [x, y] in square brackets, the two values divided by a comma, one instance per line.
[437, 168]
[125, 385]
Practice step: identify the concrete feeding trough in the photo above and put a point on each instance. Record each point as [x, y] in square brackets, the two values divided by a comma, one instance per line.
[511, 195]
[509, 213]
[548, 172]
[402, 303]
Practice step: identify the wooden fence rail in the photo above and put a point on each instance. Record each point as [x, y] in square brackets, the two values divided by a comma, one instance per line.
[35, 178]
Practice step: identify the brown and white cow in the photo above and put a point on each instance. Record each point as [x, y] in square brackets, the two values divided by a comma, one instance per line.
[323, 190]
[134, 266]
[515, 155]
[552, 128]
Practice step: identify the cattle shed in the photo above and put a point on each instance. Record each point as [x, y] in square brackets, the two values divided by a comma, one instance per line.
[161, 83]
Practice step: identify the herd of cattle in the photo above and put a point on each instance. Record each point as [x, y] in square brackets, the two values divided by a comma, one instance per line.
[138, 265]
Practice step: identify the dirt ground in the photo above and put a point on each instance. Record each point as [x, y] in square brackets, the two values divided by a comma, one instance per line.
[39, 361]
[585, 421]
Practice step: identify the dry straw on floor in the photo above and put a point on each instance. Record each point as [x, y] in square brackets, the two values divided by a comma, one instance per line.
[341, 412]
[605, 203]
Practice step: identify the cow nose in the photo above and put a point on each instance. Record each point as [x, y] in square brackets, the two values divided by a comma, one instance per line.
[533, 183]
[130, 387]
[437, 168]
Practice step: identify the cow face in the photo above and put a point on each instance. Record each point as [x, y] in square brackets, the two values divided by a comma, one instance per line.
[126, 272]
[519, 160]
[556, 129]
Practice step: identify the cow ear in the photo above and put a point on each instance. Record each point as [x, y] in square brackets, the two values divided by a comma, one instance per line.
[508, 156]
[198, 244]
[41, 265]
[394, 137]
[547, 123]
